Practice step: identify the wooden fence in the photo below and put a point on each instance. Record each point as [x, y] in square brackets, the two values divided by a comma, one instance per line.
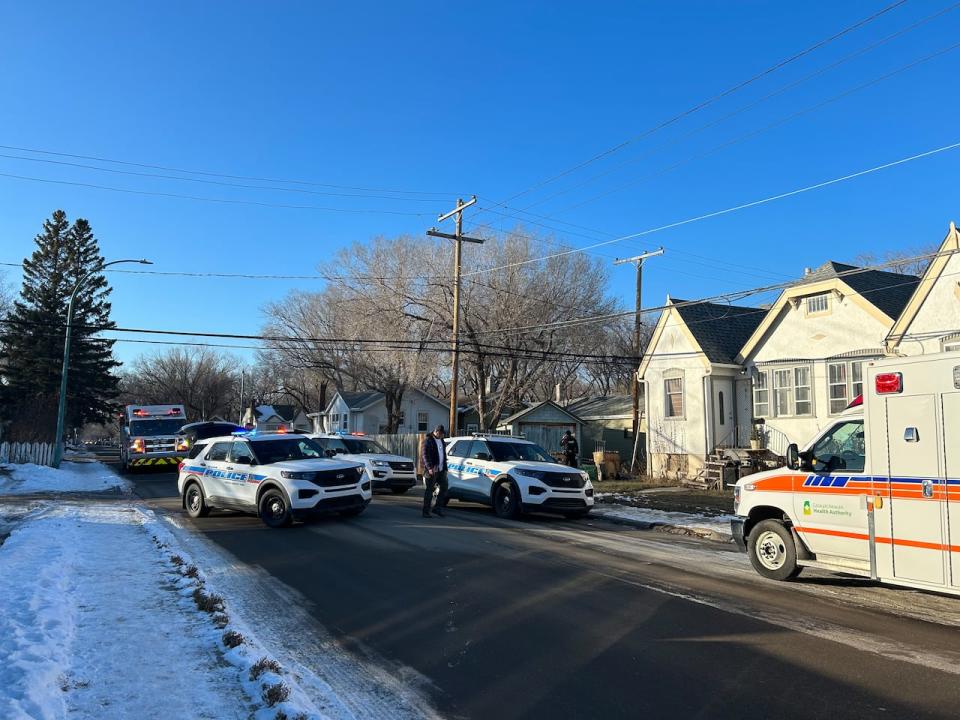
[405, 444]
[25, 452]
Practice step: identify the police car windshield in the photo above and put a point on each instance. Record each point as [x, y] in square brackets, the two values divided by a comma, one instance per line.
[284, 449]
[149, 428]
[358, 446]
[513, 451]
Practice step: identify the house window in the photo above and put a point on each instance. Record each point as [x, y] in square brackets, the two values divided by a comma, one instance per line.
[344, 419]
[818, 303]
[720, 403]
[472, 427]
[403, 419]
[761, 395]
[844, 383]
[791, 391]
[422, 421]
[951, 344]
[673, 397]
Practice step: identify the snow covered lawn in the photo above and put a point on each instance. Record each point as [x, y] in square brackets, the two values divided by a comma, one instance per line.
[715, 527]
[30, 479]
[101, 619]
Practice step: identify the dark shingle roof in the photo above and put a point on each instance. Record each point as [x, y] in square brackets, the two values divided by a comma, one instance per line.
[358, 400]
[602, 406]
[888, 291]
[721, 330]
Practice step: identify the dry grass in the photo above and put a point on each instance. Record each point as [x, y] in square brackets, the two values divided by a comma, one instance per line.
[232, 638]
[276, 693]
[221, 620]
[208, 602]
[191, 571]
[263, 665]
[176, 560]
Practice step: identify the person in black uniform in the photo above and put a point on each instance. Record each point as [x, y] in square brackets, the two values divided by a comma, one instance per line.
[570, 449]
[433, 454]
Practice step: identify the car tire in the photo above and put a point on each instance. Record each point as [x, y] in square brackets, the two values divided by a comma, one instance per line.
[398, 491]
[352, 512]
[194, 501]
[772, 551]
[577, 514]
[274, 510]
[506, 500]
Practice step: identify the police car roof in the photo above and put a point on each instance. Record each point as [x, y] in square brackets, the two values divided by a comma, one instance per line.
[494, 438]
[255, 436]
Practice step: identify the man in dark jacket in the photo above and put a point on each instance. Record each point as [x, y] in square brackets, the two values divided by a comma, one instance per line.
[571, 450]
[433, 454]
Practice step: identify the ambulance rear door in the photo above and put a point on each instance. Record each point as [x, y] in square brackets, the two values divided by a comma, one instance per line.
[951, 447]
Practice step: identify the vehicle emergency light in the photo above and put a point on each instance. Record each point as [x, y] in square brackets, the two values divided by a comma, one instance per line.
[140, 412]
[282, 429]
[889, 383]
[173, 411]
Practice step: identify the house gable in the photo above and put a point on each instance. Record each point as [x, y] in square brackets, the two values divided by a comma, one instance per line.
[933, 311]
[671, 337]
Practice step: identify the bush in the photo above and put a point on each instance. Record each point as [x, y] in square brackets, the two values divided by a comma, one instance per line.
[231, 638]
[263, 665]
[276, 693]
[176, 560]
[208, 602]
[192, 572]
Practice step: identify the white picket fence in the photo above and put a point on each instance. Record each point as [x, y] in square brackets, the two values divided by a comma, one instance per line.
[25, 452]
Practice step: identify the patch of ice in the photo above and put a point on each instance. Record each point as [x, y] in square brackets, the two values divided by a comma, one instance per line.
[716, 527]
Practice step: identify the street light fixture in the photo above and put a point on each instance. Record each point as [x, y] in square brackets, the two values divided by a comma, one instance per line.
[62, 406]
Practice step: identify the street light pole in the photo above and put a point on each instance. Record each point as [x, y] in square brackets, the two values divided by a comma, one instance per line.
[62, 404]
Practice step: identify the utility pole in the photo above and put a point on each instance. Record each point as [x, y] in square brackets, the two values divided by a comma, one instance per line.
[459, 238]
[637, 330]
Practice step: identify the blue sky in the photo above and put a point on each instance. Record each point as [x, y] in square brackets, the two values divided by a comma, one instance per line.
[485, 98]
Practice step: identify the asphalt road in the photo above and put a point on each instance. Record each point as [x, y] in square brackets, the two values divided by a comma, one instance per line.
[548, 618]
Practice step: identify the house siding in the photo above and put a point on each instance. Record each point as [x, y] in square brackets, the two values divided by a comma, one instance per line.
[676, 447]
[939, 315]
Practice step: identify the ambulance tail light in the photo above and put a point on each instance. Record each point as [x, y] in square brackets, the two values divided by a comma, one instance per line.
[889, 383]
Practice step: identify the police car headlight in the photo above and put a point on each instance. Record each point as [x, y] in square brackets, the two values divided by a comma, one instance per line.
[380, 463]
[290, 475]
[535, 474]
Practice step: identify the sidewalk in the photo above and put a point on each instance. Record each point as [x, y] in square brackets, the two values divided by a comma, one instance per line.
[104, 615]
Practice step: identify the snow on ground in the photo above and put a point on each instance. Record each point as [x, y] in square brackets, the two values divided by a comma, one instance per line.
[716, 527]
[29, 479]
[99, 621]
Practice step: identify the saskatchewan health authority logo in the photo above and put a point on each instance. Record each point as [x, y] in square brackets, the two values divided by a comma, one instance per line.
[806, 508]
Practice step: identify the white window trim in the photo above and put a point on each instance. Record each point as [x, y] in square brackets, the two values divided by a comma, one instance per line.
[793, 391]
[817, 313]
[848, 381]
[754, 390]
[425, 421]
[951, 343]
[675, 375]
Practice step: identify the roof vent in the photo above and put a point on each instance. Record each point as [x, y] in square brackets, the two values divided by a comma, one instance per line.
[807, 271]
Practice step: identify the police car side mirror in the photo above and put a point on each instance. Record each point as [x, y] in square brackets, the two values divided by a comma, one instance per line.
[793, 456]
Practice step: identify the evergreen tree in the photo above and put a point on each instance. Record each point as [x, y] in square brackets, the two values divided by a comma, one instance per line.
[31, 339]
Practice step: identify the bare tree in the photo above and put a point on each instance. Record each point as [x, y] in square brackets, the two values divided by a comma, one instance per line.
[204, 381]
[905, 262]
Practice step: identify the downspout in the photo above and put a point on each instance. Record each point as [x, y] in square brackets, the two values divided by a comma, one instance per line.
[708, 414]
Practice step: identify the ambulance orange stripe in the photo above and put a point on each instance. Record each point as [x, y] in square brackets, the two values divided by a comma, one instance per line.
[884, 540]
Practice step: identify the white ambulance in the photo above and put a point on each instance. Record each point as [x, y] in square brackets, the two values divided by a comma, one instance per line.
[149, 436]
[876, 493]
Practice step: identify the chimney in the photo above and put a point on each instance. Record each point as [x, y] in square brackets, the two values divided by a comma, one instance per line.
[807, 271]
[556, 393]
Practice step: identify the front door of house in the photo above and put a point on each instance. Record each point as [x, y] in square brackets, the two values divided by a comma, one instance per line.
[724, 416]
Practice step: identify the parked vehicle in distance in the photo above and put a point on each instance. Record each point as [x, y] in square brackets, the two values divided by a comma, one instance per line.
[188, 435]
[514, 475]
[148, 436]
[876, 493]
[281, 477]
[387, 471]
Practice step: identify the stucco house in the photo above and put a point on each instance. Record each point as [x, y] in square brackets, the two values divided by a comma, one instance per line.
[692, 384]
[930, 322]
[712, 372]
[366, 412]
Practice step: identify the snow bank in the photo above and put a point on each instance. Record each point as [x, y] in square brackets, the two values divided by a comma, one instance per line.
[716, 527]
[100, 620]
[29, 479]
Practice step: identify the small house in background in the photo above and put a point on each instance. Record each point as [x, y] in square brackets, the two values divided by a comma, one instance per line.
[271, 418]
[366, 412]
[608, 424]
[544, 423]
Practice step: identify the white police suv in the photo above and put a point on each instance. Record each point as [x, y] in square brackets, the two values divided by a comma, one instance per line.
[280, 477]
[514, 476]
[386, 470]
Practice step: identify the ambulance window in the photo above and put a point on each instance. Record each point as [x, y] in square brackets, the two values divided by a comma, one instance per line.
[842, 449]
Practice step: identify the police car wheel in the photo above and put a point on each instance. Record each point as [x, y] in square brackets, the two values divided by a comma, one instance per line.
[273, 509]
[196, 504]
[772, 551]
[506, 500]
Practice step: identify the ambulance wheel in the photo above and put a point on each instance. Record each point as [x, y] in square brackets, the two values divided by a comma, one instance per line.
[195, 503]
[273, 509]
[772, 551]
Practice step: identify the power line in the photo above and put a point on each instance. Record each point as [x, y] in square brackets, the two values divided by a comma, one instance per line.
[215, 174]
[728, 210]
[705, 103]
[224, 201]
[221, 183]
